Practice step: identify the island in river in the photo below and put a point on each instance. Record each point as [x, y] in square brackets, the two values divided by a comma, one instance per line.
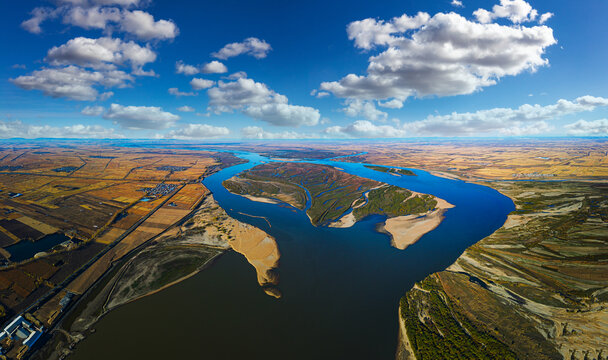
[334, 198]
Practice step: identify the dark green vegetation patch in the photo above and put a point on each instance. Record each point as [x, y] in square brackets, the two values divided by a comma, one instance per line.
[391, 170]
[394, 201]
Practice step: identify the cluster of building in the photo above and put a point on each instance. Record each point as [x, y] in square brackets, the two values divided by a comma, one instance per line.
[160, 189]
[19, 330]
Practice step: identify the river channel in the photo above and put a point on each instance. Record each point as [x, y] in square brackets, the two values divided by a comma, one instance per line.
[340, 287]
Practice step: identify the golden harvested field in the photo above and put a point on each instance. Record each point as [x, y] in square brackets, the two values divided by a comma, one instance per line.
[94, 194]
[549, 158]
[563, 159]
[82, 189]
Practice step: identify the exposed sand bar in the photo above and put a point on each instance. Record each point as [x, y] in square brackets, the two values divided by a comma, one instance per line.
[261, 251]
[261, 199]
[406, 230]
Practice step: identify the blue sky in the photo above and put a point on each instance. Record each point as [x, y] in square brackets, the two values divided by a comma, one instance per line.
[103, 68]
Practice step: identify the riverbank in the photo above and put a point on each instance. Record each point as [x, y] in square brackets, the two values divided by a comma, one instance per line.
[319, 296]
[533, 289]
[407, 230]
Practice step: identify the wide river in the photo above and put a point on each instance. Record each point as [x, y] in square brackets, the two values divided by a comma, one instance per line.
[341, 287]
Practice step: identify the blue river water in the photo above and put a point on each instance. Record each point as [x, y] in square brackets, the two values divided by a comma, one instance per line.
[340, 287]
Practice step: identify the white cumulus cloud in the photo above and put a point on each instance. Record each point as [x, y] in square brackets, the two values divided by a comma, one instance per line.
[284, 114]
[258, 101]
[214, 67]
[185, 108]
[256, 132]
[442, 55]
[199, 84]
[197, 131]
[365, 129]
[140, 117]
[102, 53]
[12, 129]
[583, 127]
[176, 92]
[182, 68]
[517, 11]
[100, 15]
[366, 109]
[143, 25]
[526, 119]
[92, 110]
[73, 82]
[250, 46]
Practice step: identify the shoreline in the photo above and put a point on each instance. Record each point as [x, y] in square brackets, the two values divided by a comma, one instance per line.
[205, 266]
[403, 230]
[407, 230]
[260, 199]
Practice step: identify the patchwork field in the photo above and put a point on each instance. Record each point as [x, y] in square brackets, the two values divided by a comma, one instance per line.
[106, 200]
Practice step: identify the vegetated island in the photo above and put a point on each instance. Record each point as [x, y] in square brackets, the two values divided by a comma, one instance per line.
[334, 198]
[535, 289]
[390, 170]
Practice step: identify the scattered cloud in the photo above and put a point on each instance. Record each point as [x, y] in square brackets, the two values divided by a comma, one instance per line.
[251, 46]
[73, 82]
[526, 119]
[284, 114]
[102, 53]
[517, 11]
[143, 25]
[457, 3]
[39, 15]
[214, 67]
[365, 129]
[91, 17]
[227, 96]
[185, 69]
[544, 17]
[583, 127]
[256, 132]
[89, 3]
[199, 84]
[392, 104]
[196, 131]
[100, 14]
[18, 66]
[14, 129]
[176, 92]
[319, 94]
[258, 101]
[366, 109]
[237, 75]
[92, 110]
[140, 117]
[442, 55]
[185, 108]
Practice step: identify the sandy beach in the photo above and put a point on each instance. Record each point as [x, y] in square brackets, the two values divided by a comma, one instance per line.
[261, 199]
[406, 230]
